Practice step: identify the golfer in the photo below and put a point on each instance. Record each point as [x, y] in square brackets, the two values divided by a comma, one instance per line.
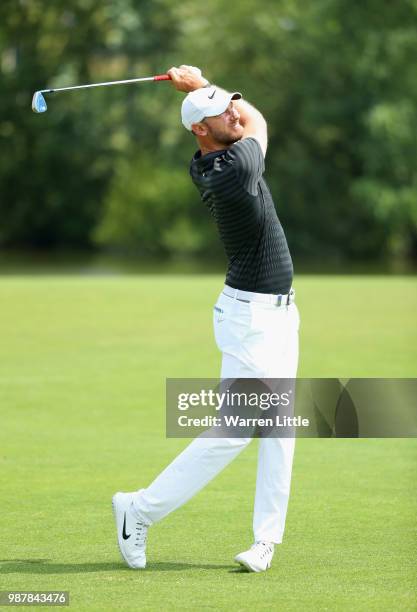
[255, 318]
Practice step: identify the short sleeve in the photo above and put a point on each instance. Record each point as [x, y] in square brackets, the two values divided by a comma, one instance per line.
[247, 157]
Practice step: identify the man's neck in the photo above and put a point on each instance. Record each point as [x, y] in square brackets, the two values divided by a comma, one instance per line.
[206, 148]
[210, 146]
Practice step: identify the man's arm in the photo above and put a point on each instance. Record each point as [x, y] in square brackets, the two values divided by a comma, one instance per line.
[253, 123]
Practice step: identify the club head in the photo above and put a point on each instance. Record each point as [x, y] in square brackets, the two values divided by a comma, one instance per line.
[38, 103]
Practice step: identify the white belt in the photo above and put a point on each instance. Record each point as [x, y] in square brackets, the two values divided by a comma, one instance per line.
[266, 298]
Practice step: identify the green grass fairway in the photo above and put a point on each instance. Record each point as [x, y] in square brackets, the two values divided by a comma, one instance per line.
[83, 362]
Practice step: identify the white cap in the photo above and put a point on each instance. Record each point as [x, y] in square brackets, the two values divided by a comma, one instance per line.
[205, 102]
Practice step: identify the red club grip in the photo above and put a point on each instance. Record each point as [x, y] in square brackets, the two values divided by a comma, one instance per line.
[162, 77]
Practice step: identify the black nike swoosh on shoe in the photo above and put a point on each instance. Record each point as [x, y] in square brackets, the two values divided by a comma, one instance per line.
[212, 95]
[124, 534]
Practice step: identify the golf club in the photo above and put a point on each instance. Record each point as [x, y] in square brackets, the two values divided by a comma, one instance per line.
[39, 103]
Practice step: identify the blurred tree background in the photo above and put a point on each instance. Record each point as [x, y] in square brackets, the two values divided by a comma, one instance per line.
[108, 168]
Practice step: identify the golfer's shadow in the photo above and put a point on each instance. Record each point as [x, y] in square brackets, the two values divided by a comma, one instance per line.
[46, 566]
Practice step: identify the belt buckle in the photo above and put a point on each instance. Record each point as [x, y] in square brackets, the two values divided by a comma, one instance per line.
[279, 299]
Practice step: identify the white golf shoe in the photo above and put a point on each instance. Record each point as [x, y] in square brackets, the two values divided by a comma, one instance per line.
[131, 531]
[258, 558]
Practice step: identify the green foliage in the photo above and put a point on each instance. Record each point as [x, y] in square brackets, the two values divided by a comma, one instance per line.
[160, 222]
[336, 81]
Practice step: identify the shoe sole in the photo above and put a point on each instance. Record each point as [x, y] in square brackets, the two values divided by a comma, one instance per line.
[249, 567]
[113, 503]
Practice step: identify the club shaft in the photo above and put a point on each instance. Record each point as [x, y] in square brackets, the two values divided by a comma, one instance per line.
[108, 83]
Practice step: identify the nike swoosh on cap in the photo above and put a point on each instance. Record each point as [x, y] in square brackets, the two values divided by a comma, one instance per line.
[212, 95]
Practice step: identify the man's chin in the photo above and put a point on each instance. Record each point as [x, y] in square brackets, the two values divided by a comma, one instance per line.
[238, 134]
[235, 137]
[230, 138]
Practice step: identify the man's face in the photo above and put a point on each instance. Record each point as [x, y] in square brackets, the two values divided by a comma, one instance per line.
[225, 128]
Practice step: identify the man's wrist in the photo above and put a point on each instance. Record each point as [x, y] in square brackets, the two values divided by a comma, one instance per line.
[203, 83]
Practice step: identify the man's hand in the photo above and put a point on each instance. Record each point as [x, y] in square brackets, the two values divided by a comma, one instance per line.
[186, 78]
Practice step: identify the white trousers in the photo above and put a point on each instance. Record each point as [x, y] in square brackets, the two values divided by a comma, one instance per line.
[257, 341]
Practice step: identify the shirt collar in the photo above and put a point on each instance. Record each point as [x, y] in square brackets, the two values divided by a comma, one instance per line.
[204, 161]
